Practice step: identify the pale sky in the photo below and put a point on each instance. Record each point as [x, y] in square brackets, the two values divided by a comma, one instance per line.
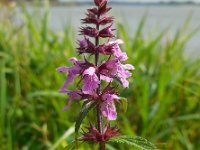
[153, 1]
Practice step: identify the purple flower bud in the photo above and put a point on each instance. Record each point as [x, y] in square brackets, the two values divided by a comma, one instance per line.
[86, 47]
[100, 3]
[91, 18]
[107, 32]
[105, 20]
[83, 43]
[93, 11]
[89, 31]
[104, 9]
[93, 135]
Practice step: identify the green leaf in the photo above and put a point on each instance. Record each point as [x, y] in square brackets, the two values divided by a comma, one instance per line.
[124, 104]
[62, 138]
[82, 114]
[137, 142]
[70, 146]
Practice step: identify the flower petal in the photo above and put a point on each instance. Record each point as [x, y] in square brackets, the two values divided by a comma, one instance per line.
[109, 110]
[108, 107]
[90, 71]
[128, 67]
[73, 95]
[73, 59]
[105, 78]
[63, 69]
[90, 81]
[122, 56]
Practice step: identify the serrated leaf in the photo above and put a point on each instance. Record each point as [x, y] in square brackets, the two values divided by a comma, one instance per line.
[82, 114]
[124, 103]
[137, 142]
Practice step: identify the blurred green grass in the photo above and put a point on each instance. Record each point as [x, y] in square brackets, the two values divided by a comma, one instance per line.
[164, 94]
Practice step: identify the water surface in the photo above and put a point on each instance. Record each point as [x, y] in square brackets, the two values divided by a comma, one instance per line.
[158, 18]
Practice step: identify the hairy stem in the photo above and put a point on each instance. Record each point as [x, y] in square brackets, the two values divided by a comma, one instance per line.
[99, 115]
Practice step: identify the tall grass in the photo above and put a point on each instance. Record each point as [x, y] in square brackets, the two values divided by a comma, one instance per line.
[163, 96]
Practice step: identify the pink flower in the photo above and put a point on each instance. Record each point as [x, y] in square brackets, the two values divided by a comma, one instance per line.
[122, 56]
[90, 81]
[119, 71]
[108, 98]
[112, 48]
[73, 71]
[105, 78]
[73, 95]
[78, 95]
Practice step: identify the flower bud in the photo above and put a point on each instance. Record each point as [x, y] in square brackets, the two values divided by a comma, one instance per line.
[100, 3]
[93, 135]
[86, 47]
[89, 31]
[107, 32]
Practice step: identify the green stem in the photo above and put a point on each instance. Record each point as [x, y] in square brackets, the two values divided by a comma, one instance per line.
[99, 115]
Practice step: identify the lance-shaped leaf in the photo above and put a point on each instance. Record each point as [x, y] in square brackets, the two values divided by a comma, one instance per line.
[82, 114]
[136, 142]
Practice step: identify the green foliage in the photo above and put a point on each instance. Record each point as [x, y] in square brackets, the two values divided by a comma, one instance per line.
[124, 104]
[71, 146]
[137, 142]
[164, 87]
[82, 114]
[163, 96]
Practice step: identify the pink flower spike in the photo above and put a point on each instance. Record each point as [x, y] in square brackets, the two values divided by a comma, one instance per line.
[100, 67]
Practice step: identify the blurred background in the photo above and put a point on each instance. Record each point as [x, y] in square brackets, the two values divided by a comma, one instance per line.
[162, 40]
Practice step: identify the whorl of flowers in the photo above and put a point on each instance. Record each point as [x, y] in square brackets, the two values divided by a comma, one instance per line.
[92, 74]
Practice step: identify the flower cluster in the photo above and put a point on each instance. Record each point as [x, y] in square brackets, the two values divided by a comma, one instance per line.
[93, 135]
[93, 74]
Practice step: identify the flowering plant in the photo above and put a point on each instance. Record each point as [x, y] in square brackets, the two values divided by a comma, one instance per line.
[108, 69]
